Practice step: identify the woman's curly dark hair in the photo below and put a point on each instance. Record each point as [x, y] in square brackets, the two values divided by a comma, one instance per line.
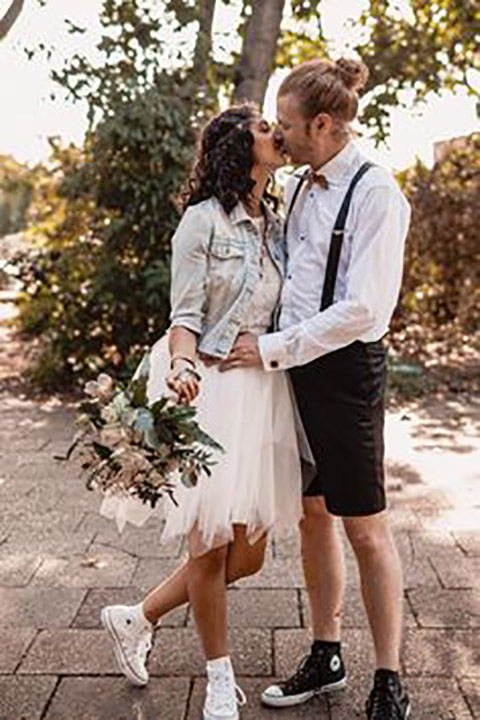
[225, 159]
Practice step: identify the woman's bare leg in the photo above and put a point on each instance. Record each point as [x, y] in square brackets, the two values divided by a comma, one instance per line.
[242, 560]
[207, 591]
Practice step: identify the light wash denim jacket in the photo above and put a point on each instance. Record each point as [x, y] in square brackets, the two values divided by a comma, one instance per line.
[215, 269]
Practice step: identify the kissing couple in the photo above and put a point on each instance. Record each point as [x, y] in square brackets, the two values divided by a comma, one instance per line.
[276, 336]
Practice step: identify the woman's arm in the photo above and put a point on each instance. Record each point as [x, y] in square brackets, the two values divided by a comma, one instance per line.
[183, 378]
[188, 300]
[182, 342]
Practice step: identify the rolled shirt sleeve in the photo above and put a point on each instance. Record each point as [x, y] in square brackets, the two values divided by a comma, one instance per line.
[373, 284]
[188, 290]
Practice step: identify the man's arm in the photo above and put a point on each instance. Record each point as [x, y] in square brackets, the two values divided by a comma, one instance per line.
[373, 285]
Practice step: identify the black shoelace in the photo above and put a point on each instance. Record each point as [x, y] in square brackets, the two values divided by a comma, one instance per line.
[383, 703]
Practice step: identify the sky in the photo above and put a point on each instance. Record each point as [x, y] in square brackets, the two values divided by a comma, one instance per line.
[28, 114]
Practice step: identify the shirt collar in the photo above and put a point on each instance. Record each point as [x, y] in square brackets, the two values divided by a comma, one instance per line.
[337, 168]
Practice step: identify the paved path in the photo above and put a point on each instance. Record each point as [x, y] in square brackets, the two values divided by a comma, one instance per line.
[60, 562]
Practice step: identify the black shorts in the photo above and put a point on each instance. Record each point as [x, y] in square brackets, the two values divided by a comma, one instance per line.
[340, 398]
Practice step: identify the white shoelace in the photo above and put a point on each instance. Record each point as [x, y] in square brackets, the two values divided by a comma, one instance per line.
[222, 698]
[144, 645]
[241, 697]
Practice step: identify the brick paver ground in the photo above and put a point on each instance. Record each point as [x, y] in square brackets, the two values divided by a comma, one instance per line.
[60, 562]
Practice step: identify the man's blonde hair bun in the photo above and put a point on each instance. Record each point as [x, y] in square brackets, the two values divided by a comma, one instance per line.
[354, 74]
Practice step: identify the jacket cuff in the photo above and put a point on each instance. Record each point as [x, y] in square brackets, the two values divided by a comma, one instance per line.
[189, 323]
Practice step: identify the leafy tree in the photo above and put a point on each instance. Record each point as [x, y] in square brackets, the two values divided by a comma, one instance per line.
[98, 290]
[434, 46]
[429, 47]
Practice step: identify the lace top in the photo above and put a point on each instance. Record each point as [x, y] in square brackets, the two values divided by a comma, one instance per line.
[266, 294]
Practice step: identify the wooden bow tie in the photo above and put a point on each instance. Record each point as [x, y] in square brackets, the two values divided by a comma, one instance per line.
[314, 178]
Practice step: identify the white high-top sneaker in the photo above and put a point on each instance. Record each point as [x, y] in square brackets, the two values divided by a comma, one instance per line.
[131, 633]
[223, 695]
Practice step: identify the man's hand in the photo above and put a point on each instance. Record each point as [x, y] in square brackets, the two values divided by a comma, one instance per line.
[245, 353]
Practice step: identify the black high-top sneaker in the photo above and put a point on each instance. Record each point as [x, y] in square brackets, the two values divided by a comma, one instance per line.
[388, 699]
[321, 671]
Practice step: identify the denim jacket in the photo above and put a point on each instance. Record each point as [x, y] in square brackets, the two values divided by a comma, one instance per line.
[215, 269]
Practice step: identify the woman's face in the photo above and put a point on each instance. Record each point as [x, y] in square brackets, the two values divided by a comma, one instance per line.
[268, 149]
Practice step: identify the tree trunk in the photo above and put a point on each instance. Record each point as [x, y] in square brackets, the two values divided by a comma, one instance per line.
[258, 51]
[10, 17]
[203, 45]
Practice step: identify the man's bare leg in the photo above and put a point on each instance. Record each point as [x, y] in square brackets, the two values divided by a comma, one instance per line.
[381, 583]
[323, 567]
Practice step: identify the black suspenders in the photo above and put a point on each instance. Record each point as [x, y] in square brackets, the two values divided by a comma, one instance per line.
[337, 240]
[294, 198]
[337, 233]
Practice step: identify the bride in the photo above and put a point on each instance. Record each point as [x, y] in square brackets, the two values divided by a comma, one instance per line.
[227, 272]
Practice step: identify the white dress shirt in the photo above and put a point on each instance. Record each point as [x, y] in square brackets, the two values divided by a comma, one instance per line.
[370, 269]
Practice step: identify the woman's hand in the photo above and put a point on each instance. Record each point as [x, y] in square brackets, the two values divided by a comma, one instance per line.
[245, 353]
[184, 380]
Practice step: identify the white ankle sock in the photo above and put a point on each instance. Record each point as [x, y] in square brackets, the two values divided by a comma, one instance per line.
[221, 663]
[138, 610]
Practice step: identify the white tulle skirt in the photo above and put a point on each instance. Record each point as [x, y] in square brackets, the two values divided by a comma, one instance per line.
[256, 482]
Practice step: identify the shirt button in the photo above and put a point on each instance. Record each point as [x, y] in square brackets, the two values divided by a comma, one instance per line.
[273, 364]
[302, 237]
[289, 277]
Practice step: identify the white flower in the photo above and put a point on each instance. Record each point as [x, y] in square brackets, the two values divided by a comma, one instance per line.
[106, 386]
[91, 388]
[103, 388]
[109, 414]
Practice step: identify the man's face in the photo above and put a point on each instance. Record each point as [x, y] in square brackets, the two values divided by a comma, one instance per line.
[295, 129]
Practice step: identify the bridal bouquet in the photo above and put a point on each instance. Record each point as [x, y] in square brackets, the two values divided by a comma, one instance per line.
[130, 446]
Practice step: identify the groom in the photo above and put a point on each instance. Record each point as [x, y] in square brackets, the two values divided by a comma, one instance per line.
[346, 228]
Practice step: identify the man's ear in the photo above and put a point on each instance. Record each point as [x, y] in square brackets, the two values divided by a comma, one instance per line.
[322, 122]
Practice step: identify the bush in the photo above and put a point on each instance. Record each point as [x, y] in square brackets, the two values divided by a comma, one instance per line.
[98, 291]
[440, 302]
[96, 287]
[15, 195]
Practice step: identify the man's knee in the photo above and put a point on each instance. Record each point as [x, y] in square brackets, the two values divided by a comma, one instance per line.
[316, 517]
[368, 535]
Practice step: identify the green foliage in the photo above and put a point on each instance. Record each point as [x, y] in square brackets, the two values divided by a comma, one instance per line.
[430, 47]
[441, 287]
[411, 51]
[98, 288]
[16, 187]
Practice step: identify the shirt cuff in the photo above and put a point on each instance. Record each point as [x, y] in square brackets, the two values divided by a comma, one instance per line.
[272, 351]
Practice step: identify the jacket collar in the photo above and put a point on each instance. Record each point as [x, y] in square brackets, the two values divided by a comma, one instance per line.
[239, 214]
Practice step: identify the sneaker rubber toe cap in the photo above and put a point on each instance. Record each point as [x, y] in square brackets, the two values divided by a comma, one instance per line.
[272, 694]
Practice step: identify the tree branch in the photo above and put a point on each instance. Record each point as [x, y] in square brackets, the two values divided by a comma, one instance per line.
[10, 17]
